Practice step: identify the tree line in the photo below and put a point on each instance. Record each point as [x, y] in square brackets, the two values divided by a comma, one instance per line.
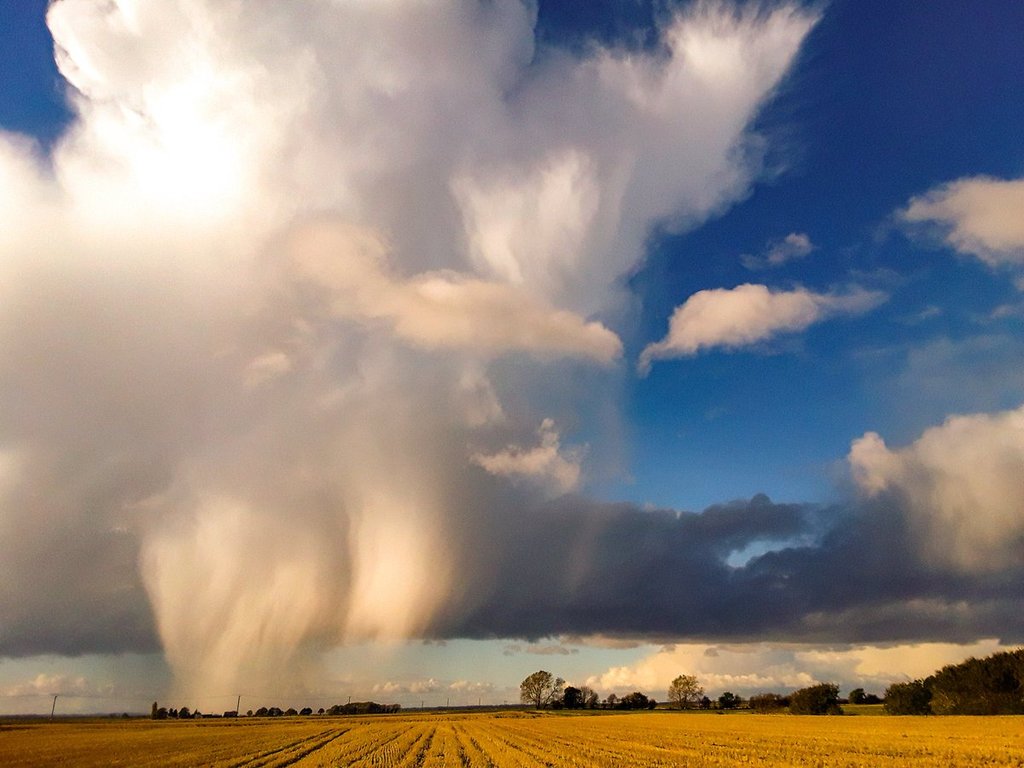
[543, 690]
[351, 708]
[993, 685]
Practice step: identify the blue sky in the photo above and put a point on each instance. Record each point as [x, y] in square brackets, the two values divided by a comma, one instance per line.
[887, 100]
[316, 325]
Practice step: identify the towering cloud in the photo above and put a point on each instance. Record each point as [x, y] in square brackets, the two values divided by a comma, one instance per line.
[960, 484]
[251, 308]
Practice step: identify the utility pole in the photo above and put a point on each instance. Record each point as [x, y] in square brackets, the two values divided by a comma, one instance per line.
[238, 704]
[54, 707]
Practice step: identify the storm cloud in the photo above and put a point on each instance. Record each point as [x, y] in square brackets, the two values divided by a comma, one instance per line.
[297, 317]
[859, 572]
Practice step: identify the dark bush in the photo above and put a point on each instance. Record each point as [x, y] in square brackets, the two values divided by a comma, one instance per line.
[820, 699]
[729, 700]
[911, 698]
[990, 686]
[766, 703]
[634, 700]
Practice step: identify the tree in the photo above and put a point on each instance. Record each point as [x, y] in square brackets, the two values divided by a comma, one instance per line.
[911, 698]
[820, 699]
[684, 691]
[540, 689]
[857, 696]
[634, 700]
[729, 700]
[766, 703]
[572, 698]
[589, 696]
[184, 714]
[611, 701]
[990, 686]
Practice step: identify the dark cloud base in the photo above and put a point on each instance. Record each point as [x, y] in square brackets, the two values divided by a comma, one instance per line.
[855, 576]
[576, 567]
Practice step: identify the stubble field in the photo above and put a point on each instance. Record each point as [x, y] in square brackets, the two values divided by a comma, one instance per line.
[522, 739]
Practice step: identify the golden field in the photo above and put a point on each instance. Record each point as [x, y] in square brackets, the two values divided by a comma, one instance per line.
[522, 739]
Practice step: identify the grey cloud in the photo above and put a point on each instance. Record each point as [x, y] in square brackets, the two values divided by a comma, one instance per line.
[860, 575]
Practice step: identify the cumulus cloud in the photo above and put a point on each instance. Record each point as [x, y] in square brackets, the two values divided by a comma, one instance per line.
[749, 668]
[977, 216]
[252, 307]
[748, 314]
[431, 685]
[960, 483]
[795, 245]
[546, 464]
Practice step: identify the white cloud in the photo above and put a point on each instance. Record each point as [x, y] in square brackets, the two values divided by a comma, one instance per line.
[49, 684]
[747, 314]
[749, 668]
[795, 245]
[961, 482]
[546, 463]
[979, 216]
[441, 309]
[431, 685]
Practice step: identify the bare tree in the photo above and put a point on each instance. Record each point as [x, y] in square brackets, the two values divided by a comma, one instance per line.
[540, 689]
[684, 691]
[590, 697]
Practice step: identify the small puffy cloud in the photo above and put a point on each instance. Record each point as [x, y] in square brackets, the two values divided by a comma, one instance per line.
[470, 686]
[793, 246]
[393, 687]
[430, 685]
[546, 463]
[961, 485]
[978, 216]
[747, 314]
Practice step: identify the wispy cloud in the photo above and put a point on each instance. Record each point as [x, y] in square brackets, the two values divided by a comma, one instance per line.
[795, 245]
[546, 464]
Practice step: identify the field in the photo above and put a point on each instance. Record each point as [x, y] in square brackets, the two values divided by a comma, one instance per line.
[522, 739]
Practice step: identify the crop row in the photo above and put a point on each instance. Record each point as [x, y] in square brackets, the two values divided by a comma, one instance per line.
[490, 741]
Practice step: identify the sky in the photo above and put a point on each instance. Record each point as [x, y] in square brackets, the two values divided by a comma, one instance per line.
[397, 350]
